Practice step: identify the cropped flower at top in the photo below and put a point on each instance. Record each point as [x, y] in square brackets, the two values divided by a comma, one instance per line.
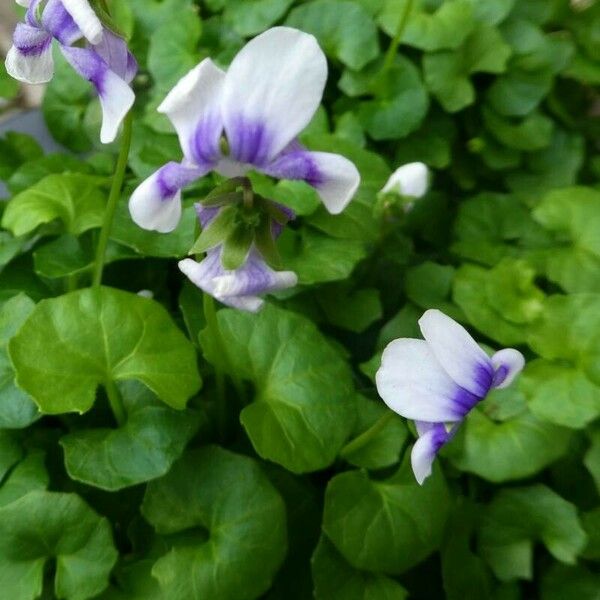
[247, 119]
[439, 380]
[242, 287]
[105, 61]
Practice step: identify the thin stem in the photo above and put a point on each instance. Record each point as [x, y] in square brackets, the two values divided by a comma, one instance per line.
[390, 55]
[367, 436]
[115, 401]
[113, 199]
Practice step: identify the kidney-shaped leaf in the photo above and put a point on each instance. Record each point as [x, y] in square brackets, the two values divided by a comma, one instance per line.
[229, 496]
[42, 526]
[143, 448]
[386, 526]
[303, 409]
[71, 344]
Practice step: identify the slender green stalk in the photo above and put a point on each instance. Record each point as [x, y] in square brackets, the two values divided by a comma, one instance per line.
[367, 436]
[390, 55]
[115, 401]
[113, 199]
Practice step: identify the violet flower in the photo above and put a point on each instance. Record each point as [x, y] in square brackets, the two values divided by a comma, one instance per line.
[105, 61]
[243, 287]
[439, 380]
[256, 110]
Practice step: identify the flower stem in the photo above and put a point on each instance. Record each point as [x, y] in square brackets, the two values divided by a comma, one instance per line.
[115, 401]
[392, 50]
[113, 199]
[367, 436]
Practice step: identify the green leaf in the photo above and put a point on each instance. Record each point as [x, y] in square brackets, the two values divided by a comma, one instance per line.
[42, 526]
[562, 581]
[532, 133]
[252, 17]
[560, 394]
[429, 285]
[144, 448]
[175, 244]
[501, 301]
[447, 73]
[73, 199]
[492, 12]
[97, 335]
[518, 92]
[301, 414]
[354, 310]
[384, 449]
[400, 102]
[592, 458]
[9, 87]
[28, 475]
[335, 579]
[430, 26]
[573, 215]
[134, 581]
[318, 258]
[345, 30]
[10, 451]
[515, 448]
[386, 525]
[17, 410]
[517, 518]
[568, 329]
[228, 496]
[17, 149]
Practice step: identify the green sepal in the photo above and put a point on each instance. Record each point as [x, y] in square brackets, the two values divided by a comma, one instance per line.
[218, 230]
[273, 210]
[102, 12]
[227, 187]
[236, 247]
[265, 243]
[214, 201]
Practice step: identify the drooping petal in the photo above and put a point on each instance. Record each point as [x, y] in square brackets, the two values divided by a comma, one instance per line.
[272, 90]
[113, 50]
[155, 204]
[333, 176]
[508, 363]
[432, 436]
[240, 288]
[413, 384]
[30, 58]
[411, 180]
[57, 21]
[193, 106]
[85, 18]
[116, 97]
[458, 353]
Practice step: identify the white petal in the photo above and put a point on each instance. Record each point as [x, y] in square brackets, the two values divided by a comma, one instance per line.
[333, 176]
[409, 180]
[458, 353]
[508, 363]
[24, 3]
[155, 204]
[193, 106]
[85, 18]
[30, 69]
[425, 450]
[116, 100]
[202, 274]
[272, 90]
[414, 385]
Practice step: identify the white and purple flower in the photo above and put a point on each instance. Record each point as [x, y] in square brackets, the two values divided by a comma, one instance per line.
[439, 380]
[255, 110]
[243, 287]
[105, 61]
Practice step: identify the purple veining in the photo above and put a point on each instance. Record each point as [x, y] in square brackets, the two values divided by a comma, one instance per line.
[204, 144]
[249, 142]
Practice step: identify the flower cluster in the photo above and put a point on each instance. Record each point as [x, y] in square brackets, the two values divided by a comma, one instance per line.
[105, 60]
[437, 381]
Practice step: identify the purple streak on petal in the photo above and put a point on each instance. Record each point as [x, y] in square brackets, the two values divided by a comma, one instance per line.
[296, 164]
[58, 22]
[500, 375]
[31, 14]
[173, 177]
[113, 50]
[464, 401]
[204, 144]
[88, 64]
[249, 142]
[31, 41]
[484, 376]
[277, 228]
[440, 435]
